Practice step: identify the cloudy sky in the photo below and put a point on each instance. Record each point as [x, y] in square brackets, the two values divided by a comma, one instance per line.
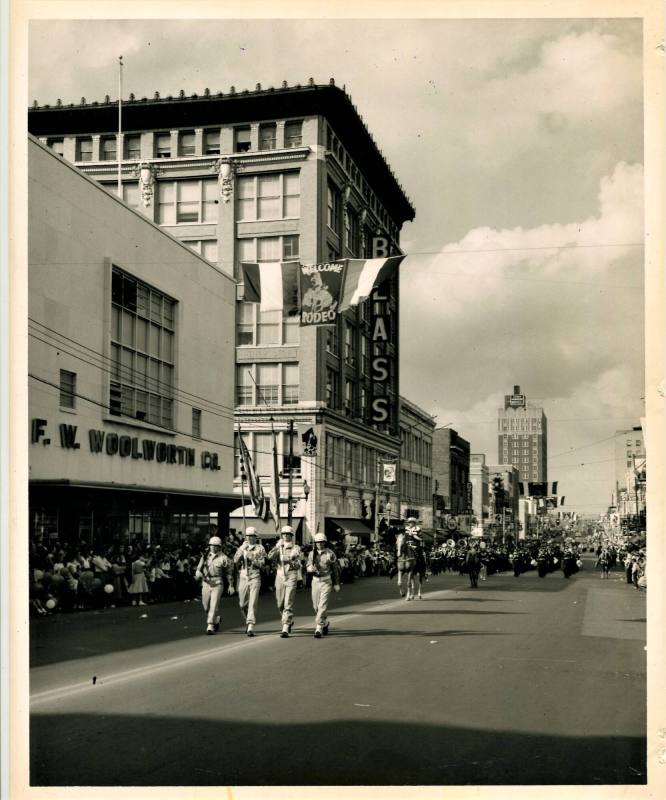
[519, 143]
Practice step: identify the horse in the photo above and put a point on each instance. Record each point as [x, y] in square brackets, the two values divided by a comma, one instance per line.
[411, 561]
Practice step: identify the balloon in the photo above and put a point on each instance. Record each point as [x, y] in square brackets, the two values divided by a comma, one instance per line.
[50, 603]
[108, 588]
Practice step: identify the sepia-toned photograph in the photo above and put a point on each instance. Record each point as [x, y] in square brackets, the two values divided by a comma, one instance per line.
[338, 400]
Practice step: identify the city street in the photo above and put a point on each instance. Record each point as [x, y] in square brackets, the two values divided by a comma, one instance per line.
[521, 681]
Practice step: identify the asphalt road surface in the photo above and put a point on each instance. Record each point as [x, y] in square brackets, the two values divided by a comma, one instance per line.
[520, 681]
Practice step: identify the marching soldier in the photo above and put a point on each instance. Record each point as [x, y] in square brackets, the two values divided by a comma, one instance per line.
[287, 557]
[212, 568]
[250, 558]
[322, 564]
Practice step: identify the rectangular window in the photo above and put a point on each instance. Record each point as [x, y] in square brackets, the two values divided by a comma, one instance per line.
[293, 133]
[267, 248]
[349, 461]
[275, 196]
[352, 232]
[67, 389]
[350, 356]
[245, 332]
[332, 340]
[211, 143]
[163, 145]
[349, 397]
[142, 351]
[84, 149]
[289, 384]
[267, 384]
[330, 451]
[268, 327]
[133, 148]
[332, 400]
[244, 385]
[188, 204]
[263, 454]
[191, 201]
[196, 423]
[57, 145]
[334, 205]
[186, 143]
[108, 148]
[242, 142]
[268, 136]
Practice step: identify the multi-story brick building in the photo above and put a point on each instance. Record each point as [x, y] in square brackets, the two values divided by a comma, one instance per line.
[450, 472]
[415, 474]
[289, 173]
[523, 437]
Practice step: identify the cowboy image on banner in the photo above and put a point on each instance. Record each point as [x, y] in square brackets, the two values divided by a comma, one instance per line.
[321, 289]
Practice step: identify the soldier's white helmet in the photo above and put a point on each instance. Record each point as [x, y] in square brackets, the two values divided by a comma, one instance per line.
[411, 520]
[215, 540]
[251, 531]
[287, 529]
[320, 537]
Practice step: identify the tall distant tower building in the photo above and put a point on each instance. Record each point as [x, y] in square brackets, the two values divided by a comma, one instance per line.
[523, 437]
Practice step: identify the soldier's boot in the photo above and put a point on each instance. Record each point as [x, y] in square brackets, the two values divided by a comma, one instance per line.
[285, 631]
[318, 632]
[250, 629]
[210, 630]
[216, 625]
[325, 629]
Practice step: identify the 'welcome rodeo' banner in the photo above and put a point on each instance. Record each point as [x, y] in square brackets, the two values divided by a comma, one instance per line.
[321, 292]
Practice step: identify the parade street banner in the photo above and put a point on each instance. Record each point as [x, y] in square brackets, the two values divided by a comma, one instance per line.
[321, 292]
[274, 285]
[388, 471]
[317, 292]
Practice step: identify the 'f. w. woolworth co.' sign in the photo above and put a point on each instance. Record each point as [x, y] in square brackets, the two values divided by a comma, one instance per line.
[111, 444]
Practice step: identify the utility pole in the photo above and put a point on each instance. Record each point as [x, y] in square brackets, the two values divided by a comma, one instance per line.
[290, 468]
[377, 471]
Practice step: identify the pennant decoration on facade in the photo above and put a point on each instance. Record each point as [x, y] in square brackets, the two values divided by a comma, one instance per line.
[256, 492]
[562, 500]
[309, 439]
[274, 285]
[321, 292]
[554, 488]
[363, 275]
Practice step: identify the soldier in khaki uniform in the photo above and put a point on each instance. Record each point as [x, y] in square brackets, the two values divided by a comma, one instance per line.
[287, 559]
[249, 558]
[212, 568]
[323, 565]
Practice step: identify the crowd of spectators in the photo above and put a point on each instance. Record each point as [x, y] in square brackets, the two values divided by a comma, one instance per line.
[66, 577]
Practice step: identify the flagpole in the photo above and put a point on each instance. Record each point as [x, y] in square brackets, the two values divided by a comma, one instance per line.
[119, 146]
[242, 477]
[276, 482]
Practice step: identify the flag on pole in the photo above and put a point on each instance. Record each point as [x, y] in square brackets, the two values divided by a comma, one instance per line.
[275, 485]
[362, 275]
[274, 285]
[254, 486]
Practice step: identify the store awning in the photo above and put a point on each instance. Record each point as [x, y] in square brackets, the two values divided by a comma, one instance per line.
[351, 525]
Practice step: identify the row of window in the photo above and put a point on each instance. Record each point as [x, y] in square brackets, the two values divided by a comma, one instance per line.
[352, 223]
[414, 448]
[258, 197]
[267, 384]
[415, 487]
[334, 145]
[267, 328]
[184, 143]
[350, 462]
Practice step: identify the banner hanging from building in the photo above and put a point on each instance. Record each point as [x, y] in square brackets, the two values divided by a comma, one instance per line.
[388, 471]
[321, 292]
